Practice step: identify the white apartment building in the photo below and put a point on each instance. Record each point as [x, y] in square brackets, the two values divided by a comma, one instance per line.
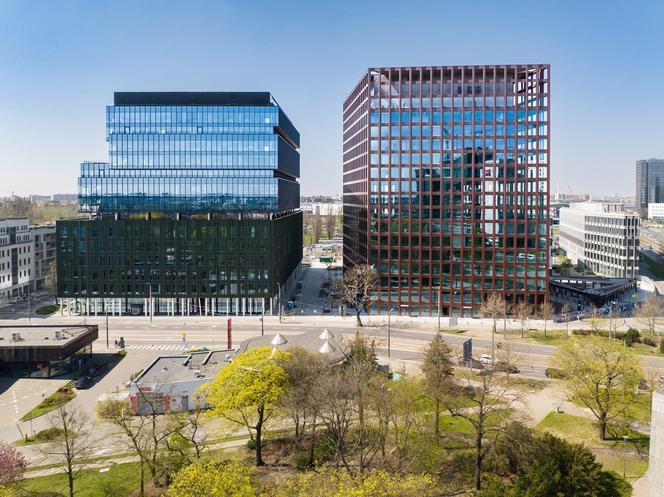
[602, 237]
[656, 211]
[16, 258]
[43, 239]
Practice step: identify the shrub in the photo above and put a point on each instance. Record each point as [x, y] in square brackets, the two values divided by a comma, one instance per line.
[251, 444]
[631, 336]
[661, 346]
[649, 341]
[121, 352]
[300, 459]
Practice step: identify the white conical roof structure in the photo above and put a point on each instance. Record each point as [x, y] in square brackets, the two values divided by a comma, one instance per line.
[326, 348]
[326, 335]
[278, 340]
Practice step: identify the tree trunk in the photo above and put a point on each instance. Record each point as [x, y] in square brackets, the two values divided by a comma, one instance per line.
[259, 430]
[478, 462]
[545, 320]
[142, 479]
[602, 429]
[357, 317]
[70, 478]
[437, 421]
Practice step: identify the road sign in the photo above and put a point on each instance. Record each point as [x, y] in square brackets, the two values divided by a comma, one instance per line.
[467, 350]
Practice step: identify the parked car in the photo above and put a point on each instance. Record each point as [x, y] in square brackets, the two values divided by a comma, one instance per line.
[83, 382]
[486, 359]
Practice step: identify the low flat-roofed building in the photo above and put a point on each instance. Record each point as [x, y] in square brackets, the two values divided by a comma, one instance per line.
[45, 351]
[169, 383]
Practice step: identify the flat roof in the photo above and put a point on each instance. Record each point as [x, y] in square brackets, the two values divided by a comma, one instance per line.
[193, 98]
[21, 343]
[184, 367]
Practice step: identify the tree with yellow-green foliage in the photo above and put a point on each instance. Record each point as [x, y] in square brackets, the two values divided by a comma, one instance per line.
[329, 482]
[6, 492]
[247, 391]
[213, 479]
[601, 375]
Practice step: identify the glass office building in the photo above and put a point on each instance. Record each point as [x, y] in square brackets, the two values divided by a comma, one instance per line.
[196, 209]
[649, 184]
[446, 185]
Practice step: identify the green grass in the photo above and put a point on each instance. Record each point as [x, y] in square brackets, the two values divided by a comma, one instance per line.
[640, 408]
[121, 480]
[647, 350]
[553, 337]
[48, 309]
[608, 452]
[52, 402]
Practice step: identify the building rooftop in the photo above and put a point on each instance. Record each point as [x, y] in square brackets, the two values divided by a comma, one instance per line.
[21, 343]
[30, 336]
[185, 367]
[313, 341]
[194, 98]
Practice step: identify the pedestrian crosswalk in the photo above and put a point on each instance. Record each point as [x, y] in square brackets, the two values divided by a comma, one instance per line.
[151, 346]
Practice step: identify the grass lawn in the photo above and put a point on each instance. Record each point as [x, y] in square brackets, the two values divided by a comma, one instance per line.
[553, 337]
[643, 349]
[42, 436]
[52, 402]
[121, 480]
[48, 309]
[608, 452]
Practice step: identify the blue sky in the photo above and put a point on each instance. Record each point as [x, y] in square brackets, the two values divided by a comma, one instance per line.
[61, 61]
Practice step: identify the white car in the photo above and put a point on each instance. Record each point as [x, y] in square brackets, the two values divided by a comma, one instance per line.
[486, 359]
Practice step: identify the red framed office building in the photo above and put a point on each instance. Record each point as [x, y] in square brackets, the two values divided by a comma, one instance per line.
[446, 185]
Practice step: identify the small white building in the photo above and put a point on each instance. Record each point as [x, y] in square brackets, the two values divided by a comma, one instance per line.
[603, 237]
[169, 383]
[656, 212]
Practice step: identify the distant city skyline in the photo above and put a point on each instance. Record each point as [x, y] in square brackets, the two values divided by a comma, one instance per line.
[60, 73]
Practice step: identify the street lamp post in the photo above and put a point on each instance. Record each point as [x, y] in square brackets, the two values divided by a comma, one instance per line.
[279, 299]
[149, 285]
[389, 314]
[263, 320]
[440, 291]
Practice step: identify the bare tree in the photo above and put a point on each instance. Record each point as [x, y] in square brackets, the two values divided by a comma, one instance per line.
[565, 311]
[546, 310]
[356, 288]
[330, 223]
[437, 367]
[485, 402]
[144, 430]
[522, 313]
[650, 311]
[316, 225]
[494, 308]
[73, 443]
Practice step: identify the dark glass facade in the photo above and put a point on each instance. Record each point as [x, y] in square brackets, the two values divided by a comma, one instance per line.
[649, 184]
[199, 200]
[446, 185]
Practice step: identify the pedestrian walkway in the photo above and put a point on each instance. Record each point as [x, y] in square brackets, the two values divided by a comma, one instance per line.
[151, 346]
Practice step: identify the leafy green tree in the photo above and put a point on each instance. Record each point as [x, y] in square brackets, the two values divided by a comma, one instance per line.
[601, 375]
[437, 367]
[248, 390]
[214, 479]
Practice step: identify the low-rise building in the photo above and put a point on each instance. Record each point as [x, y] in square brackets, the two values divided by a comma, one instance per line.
[44, 351]
[602, 237]
[170, 383]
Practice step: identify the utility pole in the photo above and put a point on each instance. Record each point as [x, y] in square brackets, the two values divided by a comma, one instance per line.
[106, 314]
[263, 320]
[279, 300]
[389, 313]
